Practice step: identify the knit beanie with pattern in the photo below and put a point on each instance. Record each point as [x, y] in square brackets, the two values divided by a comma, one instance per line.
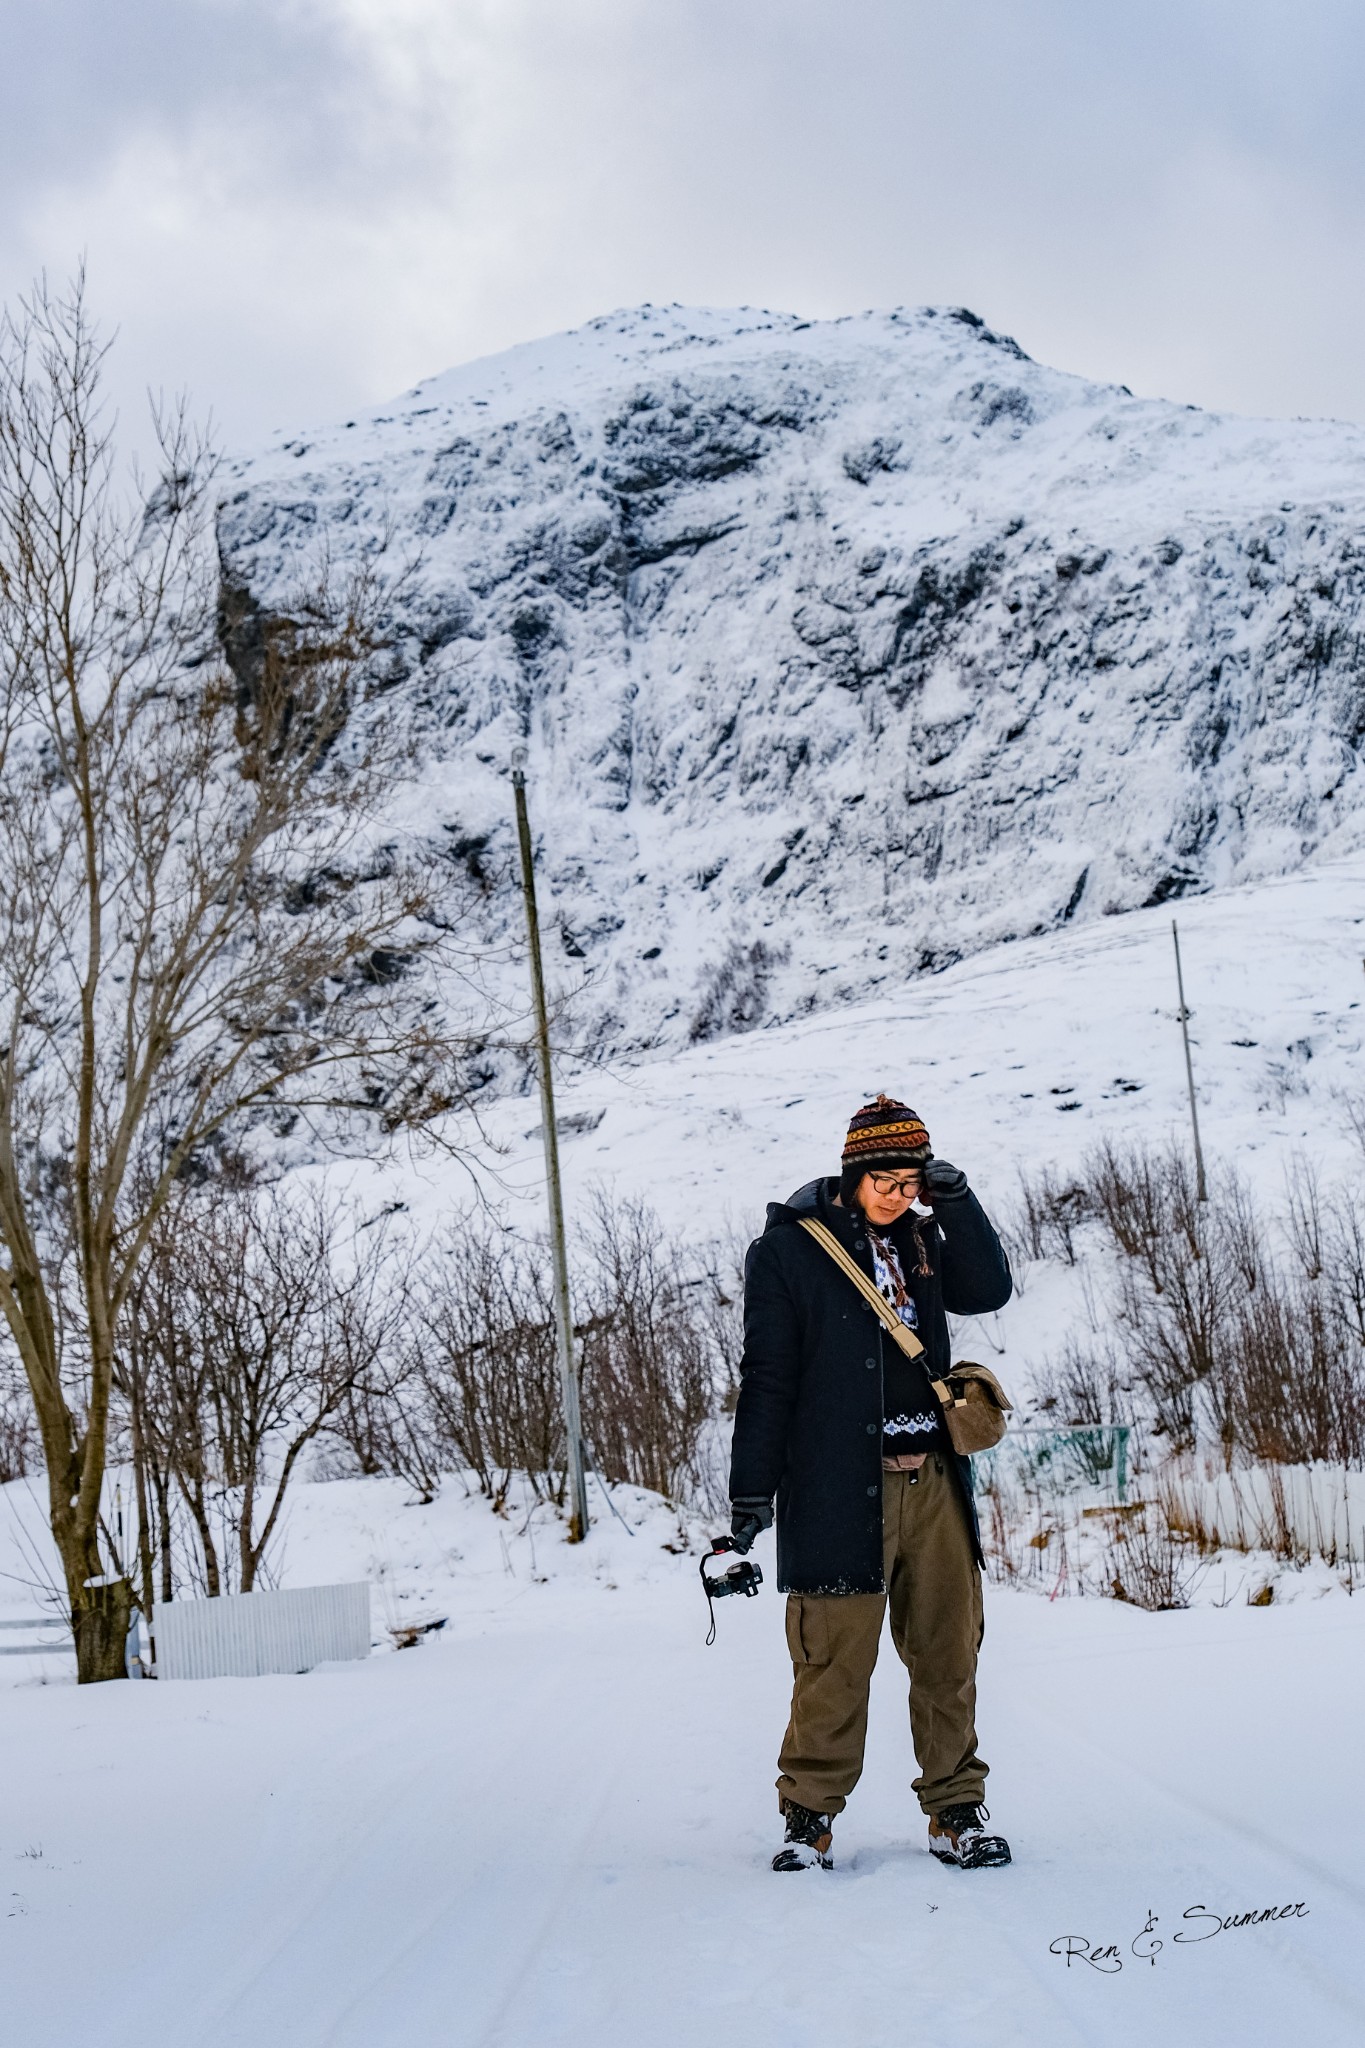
[884, 1133]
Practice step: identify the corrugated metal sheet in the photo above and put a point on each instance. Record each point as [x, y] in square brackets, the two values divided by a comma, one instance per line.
[246, 1635]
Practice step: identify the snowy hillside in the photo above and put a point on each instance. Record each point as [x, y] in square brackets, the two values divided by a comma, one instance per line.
[1019, 1061]
[844, 648]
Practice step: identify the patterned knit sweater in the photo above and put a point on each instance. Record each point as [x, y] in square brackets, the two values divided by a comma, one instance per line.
[912, 1419]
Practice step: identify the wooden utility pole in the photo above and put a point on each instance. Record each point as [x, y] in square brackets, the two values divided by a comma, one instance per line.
[568, 1367]
[1201, 1185]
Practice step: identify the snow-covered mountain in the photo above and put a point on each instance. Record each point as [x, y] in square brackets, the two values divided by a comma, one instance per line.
[843, 648]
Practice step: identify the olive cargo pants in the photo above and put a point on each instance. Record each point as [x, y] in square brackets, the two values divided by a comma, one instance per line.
[934, 1594]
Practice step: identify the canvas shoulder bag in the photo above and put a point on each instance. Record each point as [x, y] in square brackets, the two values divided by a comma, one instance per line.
[973, 1401]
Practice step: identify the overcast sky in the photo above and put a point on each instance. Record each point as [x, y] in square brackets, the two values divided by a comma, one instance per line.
[293, 207]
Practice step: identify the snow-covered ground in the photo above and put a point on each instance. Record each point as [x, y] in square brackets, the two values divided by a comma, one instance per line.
[551, 1821]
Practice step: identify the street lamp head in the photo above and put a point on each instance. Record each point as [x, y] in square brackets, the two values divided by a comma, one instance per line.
[519, 762]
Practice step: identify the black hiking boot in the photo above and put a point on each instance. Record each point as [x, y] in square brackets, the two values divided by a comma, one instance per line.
[957, 1836]
[808, 1839]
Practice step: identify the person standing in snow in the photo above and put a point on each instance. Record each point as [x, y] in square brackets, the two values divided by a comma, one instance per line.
[873, 1507]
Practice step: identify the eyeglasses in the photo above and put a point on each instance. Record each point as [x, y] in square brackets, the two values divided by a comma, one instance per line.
[904, 1184]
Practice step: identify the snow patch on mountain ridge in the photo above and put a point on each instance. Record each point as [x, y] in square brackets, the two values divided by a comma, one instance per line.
[843, 648]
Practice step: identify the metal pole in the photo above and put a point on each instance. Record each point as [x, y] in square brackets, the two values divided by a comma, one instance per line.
[568, 1370]
[1201, 1186]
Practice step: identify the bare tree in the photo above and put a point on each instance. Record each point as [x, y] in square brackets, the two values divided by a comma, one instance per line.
[156, 1374]
[371, 1431]
[485, 1371]
[660, 1334]
[651, 1375]
[1050, 1211]
[200, 923]
[279, 1311]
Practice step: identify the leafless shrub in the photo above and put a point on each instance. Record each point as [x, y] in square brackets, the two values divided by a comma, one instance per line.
[1238, 1341]
[1304, 1222]
[483, 1385]
[1084, 1384]
[657, 1335]
[1148, 1563]
[1293, 1382]
[1038, 1538]
[719, 1304]
[650, 1366]
[1048, 1213]
[1129, 1191]
[157, 1376]
[1023, 1530]
[21, 1449]
[1183, 1267]
[1353, 1114]
[734, 994]
[1242, 1234]
[1229, 1323]
[1002, 1563]
[1344, 1264]
[258, 1313]
[1082, 1394]
[1172, 1338]
[368, 1434]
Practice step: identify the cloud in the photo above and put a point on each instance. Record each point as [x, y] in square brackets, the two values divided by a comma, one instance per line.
[293, 206]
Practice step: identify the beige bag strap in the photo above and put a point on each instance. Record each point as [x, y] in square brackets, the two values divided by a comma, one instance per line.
[907, 1340]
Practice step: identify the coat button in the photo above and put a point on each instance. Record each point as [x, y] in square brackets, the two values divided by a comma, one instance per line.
[860, 1244]
[871, 1364]
[872, 1491]
[872, 1429]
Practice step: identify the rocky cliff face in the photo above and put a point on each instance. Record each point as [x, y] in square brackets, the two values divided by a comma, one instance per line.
[842, 648]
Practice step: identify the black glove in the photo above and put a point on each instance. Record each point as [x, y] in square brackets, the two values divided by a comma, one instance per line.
[748, 1519]
[943, 1182]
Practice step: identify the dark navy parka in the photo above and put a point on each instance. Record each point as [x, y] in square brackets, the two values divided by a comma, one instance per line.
[808, 1425]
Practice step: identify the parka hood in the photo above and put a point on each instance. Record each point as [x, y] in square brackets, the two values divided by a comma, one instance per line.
[816, 1198]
